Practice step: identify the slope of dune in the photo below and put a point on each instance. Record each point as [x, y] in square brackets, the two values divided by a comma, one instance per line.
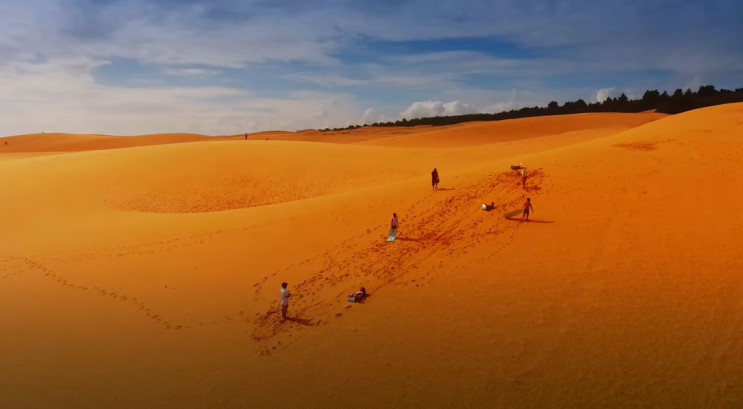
[480, 133]
[61, 142]
[467, 134]
[623, 291]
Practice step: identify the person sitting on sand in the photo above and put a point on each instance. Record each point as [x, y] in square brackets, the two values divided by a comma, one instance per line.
[285, 294]
[489, 207]
[358, 295]
[527, 207]
[435, 179]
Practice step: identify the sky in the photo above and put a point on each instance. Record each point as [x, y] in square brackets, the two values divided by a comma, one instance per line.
[219, 67]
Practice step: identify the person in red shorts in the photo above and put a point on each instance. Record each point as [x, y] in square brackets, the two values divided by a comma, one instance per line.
[527, 208]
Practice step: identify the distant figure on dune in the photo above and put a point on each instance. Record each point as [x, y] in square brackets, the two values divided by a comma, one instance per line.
[523, 178]
[285, 294]
[435, 179]
[246, 137]
[393, 228]
[527, 207]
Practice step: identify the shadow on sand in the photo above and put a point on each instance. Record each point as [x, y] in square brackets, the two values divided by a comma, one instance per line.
[443, 189]
[528, 221]
[301, 321]
[407, 239]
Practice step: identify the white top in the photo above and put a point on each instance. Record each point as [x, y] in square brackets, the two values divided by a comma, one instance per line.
[285, 296]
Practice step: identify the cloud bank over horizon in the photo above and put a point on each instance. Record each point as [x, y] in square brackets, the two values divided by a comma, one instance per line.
[227, 67]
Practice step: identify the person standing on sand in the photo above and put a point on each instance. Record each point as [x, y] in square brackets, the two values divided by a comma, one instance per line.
[435, 179]
[285, 294]
[523, 178]
[246, 137]
[394, 221]
[527, 207]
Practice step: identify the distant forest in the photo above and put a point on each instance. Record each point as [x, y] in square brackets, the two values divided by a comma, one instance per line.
[679, 101]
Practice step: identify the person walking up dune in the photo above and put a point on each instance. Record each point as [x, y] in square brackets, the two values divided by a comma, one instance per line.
[435, 179]
[393, 228]
[527, 207]
[285, 294]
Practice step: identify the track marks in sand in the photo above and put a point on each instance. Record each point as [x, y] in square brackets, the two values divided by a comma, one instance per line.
[641, 146]
[452, 225]
[13, 266]
[142, 248]
[26, 264]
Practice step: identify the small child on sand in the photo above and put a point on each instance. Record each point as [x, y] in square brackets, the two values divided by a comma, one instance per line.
[285, 294]
[527, 207]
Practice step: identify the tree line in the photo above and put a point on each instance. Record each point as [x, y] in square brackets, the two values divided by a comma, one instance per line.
[679, 101]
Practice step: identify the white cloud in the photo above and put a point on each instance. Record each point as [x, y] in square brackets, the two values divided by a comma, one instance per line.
[504, 106]
[423, 109]
[50, 49]
[459, 108]
[62, 96]
[371, 116]
[605, 93]
[188, 72]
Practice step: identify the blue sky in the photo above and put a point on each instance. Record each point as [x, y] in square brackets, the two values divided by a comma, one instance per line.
[231, 66]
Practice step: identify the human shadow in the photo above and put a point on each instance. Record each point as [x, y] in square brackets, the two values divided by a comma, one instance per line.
[407, 239]
[301, 321]
[443, 189]
[528, 220]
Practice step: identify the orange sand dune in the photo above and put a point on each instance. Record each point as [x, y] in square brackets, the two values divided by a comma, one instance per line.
[149, 277]
[469, 133]
[346, 136]
[480, 133]
[61, 142]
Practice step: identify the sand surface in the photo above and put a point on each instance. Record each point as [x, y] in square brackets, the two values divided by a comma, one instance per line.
[146, 274]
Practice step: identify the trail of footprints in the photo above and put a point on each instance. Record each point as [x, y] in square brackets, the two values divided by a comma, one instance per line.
[141, 249]
[446, 226]
[12, 266]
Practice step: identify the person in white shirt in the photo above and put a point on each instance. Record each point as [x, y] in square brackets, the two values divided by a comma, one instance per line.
[284, 299]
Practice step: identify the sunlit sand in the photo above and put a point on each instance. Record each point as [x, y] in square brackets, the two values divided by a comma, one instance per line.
[145, 271]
